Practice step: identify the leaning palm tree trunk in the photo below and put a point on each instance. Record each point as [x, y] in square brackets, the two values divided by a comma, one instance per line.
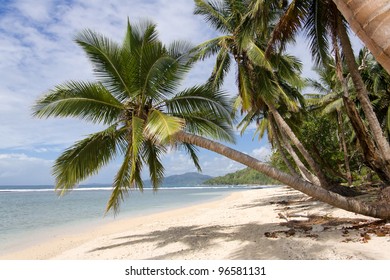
[343, 145]
[306, 174]
[361, 91]
[350, 204]
[281, 151]
[370, 20]
[284, 127]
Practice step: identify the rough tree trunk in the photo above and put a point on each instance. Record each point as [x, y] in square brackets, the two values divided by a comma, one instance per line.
[350, 204]
[370, 20]
[343, 145]
[284, 128]
[280, 149]
[380, 140]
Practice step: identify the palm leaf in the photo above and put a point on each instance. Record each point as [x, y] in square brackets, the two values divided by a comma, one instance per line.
[83, 100]
[200, 99]
[315, 29]
[162, 127]
[257, 56]
[333, 106]
[137, 139]
[192, 152]
[152, 156]
[108, 62]
[214, 13]
[244, 86]
[211, 47]
[221, 68]
[288, 25]
[207, 126]
[122, 183]
[86, 157]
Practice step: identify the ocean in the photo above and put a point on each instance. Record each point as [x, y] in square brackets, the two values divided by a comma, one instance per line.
[32, 213]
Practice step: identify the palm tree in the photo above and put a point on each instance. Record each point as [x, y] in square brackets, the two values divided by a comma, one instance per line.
[136, 97]
[322, 23]
[377, 81]
[329, 102]
[264, 83]
[370, 21]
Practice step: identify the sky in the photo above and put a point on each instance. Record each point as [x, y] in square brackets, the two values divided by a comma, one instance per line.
[37, 52]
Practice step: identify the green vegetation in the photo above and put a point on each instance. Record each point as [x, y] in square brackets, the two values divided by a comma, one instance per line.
[245, 176]
[189, 179]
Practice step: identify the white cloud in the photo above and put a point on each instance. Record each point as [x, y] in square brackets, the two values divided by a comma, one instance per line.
[262, 153]
[18, 168]
[220, 165]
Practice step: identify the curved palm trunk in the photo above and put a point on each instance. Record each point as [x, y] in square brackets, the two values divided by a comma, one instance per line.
[377, 133]
[280, 149]
[284, 127]
[306, 174]
[370, 20]
[344, 146]
[369, 151]
[369, 209]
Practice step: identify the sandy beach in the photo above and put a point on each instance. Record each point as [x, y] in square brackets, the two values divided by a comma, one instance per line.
[272, 224]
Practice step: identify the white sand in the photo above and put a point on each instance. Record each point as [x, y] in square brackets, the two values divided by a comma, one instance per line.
[230, 228]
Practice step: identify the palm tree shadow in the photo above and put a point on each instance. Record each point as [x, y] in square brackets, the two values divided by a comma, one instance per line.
[193, 237]
[255, 245]
[252, 237]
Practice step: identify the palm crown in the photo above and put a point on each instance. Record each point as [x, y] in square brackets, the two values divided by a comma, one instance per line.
[137, 97]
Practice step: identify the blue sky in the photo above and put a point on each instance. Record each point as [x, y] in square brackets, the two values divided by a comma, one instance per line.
[37, 52]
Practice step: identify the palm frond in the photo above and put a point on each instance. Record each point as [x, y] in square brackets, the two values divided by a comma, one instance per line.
[246, 121]
[89, 101]
[333, 106]
[245, 89]
[152, 156]
[214, 12]
[388, 119]
[262, 127]
[288, 25]
[139, 34]
[122, 183]
[221, 69]
[108, 60]
[86, 157]
[316, 30]
[137, 139]
[210, 47]
[162, 127]
[161, 79]
[200, 99]
[257, 56]
[208, 126]
[182, 51]
[192, 152]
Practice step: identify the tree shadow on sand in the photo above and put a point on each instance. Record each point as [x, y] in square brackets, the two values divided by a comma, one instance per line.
[291, 238]
[255, 245]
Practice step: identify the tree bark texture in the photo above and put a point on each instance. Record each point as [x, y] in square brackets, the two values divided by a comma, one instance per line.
[350, 204]
[370, 20]
[379, 138]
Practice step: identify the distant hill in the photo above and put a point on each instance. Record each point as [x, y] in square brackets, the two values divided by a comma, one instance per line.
[184, 180]
[245, 176]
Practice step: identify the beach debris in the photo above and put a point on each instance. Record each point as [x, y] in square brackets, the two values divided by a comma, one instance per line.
[317, 228]
[271, 234]
[283, 216]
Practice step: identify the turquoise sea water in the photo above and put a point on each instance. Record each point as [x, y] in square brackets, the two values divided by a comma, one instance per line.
[32, 213]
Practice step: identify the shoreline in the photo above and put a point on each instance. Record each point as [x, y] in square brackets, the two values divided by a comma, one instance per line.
[250, 224]
[54, 242]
